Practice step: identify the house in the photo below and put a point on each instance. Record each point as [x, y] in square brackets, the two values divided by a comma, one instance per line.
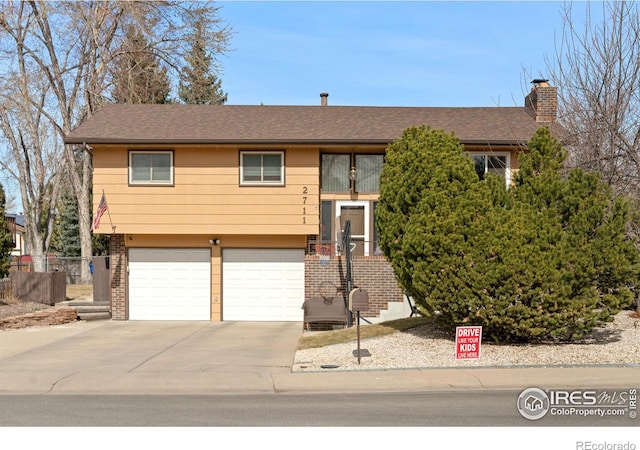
[225, 212]
[15, 223]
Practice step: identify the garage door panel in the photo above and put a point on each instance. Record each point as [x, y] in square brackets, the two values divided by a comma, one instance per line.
[263, 284]
[169, 255]
[169, 284]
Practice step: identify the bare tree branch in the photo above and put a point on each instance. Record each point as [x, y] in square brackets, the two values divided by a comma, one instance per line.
[597, 71]
[59, 57]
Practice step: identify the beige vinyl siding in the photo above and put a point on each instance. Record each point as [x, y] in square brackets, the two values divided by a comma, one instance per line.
[207, 196]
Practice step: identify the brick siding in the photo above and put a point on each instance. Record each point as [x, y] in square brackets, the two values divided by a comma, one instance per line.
[542, 103]
[371, 273]
[118, 263]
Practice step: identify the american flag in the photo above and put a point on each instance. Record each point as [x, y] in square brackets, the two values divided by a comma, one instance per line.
[102, 207]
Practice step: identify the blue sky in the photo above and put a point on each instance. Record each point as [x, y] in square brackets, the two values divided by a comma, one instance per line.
[413, 53]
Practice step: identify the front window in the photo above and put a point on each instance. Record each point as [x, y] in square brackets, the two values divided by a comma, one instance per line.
[337, 167]
[261, 168]
[327, 219]
[368, 168]
[151, 167]
[491, 164]
[335, 172]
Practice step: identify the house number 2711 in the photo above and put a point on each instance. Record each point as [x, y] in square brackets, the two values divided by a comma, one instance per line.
[305, 191]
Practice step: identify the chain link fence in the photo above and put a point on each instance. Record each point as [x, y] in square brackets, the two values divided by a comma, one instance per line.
[71, 266]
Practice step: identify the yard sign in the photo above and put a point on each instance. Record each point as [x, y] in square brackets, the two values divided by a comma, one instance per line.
[468, 342]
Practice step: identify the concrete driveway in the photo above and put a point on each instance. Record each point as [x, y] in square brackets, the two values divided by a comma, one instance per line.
[149, 357]
[112, 357]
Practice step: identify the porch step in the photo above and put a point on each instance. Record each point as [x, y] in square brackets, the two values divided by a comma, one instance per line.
[89, 310]
[106, 315]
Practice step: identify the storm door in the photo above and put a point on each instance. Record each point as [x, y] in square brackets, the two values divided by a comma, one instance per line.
[358, 214]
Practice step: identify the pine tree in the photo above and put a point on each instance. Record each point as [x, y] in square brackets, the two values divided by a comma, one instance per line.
[68, 229]
[137, 75]
[199, 84]
[6, 240]
[66, 239]
[545, 259]
[423, 180]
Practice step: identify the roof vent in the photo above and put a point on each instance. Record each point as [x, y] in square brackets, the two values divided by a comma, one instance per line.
[323, 98]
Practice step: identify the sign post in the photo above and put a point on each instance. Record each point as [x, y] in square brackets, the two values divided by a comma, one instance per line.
[358, 301]
[468, 342]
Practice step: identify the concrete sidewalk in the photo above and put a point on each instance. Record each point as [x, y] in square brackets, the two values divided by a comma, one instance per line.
[110, 357]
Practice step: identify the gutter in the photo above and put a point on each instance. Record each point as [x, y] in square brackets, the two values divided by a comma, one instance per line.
[320, 142]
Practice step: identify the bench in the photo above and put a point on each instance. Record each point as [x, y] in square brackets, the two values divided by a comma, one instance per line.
[321, 310]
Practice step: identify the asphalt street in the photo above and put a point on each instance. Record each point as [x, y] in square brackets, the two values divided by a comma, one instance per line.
[224, 375]
[130, 357]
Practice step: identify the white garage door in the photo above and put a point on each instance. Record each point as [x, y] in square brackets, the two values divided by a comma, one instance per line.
[169, 284]
[262, 284]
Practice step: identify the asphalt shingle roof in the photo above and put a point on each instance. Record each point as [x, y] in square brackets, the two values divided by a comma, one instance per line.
[235, 124]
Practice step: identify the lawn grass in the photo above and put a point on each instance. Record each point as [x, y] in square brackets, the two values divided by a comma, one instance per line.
[366, 331]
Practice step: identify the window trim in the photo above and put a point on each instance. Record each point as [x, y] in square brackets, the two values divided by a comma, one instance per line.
[170, 182]
[262, 182]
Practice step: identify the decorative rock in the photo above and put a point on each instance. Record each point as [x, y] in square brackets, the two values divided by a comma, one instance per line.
[45, 317]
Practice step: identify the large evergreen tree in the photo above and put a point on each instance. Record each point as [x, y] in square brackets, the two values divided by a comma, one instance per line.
[6, 241]
[199, 83]
[66, 238]
[138, 75]
[546, 258]
[68, 229]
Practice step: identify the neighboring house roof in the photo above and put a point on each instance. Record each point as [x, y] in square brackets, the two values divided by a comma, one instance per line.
[19, 219]
[344, 125]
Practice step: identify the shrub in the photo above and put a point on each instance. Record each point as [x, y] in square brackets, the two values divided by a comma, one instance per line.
[546, 258]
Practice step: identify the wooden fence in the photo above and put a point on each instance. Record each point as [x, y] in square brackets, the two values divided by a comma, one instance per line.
[101, 279]
[40, 287]
[5, 288]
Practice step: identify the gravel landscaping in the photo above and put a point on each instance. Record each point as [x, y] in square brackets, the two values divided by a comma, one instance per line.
[618, 343]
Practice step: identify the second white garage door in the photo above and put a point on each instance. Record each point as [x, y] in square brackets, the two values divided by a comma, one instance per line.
[262, 284]
[169, 284]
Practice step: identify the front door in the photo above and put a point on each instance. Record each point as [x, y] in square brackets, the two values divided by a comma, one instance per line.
[358, 214]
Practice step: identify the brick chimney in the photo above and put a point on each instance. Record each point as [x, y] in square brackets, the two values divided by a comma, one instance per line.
[542, 101]
[323, 98]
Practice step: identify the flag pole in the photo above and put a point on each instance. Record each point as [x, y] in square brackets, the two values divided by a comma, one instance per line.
[113, 229]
